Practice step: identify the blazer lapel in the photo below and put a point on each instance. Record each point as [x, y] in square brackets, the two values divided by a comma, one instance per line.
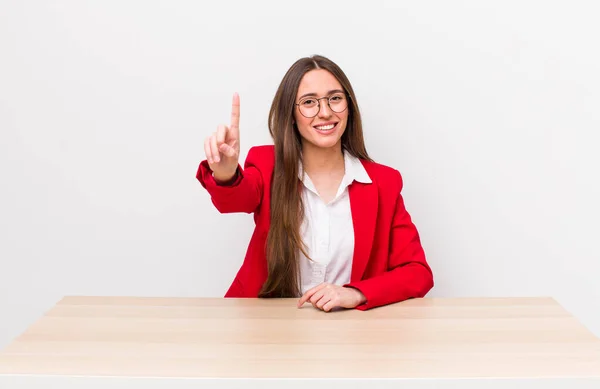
[363, 204]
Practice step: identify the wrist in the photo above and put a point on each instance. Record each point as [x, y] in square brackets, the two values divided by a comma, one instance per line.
[225, 179]
[359, 296]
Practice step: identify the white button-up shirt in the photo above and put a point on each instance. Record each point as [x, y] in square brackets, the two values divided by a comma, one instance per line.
[327, 230]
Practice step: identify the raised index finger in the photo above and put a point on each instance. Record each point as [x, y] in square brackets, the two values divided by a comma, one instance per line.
[235, 114]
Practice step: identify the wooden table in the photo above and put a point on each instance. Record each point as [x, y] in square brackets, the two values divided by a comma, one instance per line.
[135, 342]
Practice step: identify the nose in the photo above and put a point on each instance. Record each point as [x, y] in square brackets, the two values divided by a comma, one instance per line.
[325, 111]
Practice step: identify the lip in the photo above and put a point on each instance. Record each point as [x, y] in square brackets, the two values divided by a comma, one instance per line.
[325, 124]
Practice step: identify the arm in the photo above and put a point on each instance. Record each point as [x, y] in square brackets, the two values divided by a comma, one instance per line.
[408, 274]
[231, 188]
[243, 194]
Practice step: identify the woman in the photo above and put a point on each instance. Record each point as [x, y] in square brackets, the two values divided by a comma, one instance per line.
[331, 226]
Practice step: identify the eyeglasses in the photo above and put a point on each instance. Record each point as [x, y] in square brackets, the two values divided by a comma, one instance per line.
[310, 106]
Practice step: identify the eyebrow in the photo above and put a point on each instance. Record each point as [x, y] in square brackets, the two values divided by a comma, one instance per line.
[314, 94]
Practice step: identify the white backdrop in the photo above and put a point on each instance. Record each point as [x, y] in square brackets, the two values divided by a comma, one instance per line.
[490, 110]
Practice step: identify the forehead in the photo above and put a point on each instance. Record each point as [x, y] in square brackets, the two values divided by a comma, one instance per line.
[318, 81]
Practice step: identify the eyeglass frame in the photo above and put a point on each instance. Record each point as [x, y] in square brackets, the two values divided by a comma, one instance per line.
[328, 104]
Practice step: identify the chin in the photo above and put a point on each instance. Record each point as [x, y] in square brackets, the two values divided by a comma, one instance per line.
[323, 141]
[326, 143]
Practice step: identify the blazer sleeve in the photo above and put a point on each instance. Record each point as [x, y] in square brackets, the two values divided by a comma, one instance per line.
[244, 194]
[408, 274]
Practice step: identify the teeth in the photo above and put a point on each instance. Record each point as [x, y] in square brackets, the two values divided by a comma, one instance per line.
[325, 128]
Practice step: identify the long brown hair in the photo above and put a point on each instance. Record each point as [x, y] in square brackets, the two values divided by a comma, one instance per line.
[284, 241]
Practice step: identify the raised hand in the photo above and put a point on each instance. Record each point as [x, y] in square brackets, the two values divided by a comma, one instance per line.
[222, 148]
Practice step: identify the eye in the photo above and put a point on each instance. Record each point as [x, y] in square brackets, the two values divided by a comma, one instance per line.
[336, 98]
[308, 102]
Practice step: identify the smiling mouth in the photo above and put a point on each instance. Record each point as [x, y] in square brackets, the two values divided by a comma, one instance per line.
[326, 128]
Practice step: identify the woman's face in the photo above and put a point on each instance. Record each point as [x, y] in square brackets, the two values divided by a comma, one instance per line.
[326, 128]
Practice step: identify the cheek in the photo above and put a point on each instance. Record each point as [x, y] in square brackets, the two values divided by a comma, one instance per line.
[300, 120]
[344, 116]
[304, 125]
[344, 119]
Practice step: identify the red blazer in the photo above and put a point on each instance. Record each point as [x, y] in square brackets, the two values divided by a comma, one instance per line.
[389, 263]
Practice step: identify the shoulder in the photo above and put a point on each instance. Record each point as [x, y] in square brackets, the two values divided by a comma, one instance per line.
[385, 177]
[262, 150]
[262, 157]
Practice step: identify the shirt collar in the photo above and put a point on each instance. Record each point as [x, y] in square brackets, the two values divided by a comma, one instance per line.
[353, 167]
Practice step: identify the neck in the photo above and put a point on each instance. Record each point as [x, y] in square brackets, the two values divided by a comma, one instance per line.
[320, 160]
